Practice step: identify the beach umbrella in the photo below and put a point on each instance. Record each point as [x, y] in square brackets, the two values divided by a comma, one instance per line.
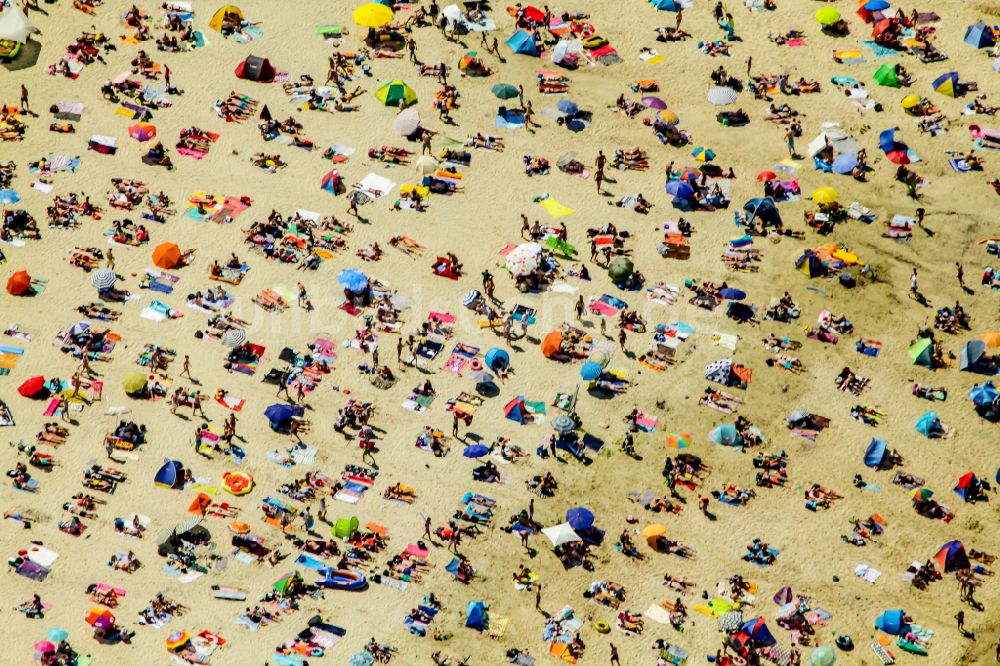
[396, 93]
[279, 413]
[352, 280]
[551, 344]
[523, 259]
[822, 656]
[620, 269]
[922, 494]
[104, 278]
[135, 382]
[568, 107]
[732, 294]
[476, 451]
[602, 357]
[426, 165]
[765, 176]
[910, 101]
[703, 154]
[652, 102]
[844, 164]
[32, 387]
[898, 157]
[496, 356]
[876, 5]
[372, 15]
[580, 518]
[234, 337]
[505, 91]
[19, 283]
[668, 117]
[565, 159]
[824, 195]
[796, 416]
[680, 189]
[827, 15]
[167, 255]
[470, 297]
[981, 394]
[992, 338]
[142, 131]
[406, 122]
[100, 618]
[927, 423]
[654, 530]
[667, 5]
[561, 534]
[57, 634]
[9, 197]
[720, 96]
[590, 371]
[237, 527]
[361, 659]
[176, 640]
[14, 24]
[481, 377]
[45, 647]
[886, 76]
[690, 175]
[679, 440]
[563, 424]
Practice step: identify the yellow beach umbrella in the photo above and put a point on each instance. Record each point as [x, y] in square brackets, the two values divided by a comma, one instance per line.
[372, 15]
[827, 15]
[910, 101]
[135, 382]
[667, 116]
[824, 195]
[654, 530]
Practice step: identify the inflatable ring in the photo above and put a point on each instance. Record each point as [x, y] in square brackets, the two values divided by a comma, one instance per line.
[476, 364]
[316, 652]
[586, 30]
[739, 661]
[602, 627]
[237, 483]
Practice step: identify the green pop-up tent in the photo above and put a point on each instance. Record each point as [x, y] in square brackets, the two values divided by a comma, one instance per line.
[886, 76]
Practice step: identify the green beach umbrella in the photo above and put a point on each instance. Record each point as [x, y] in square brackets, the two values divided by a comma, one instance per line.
[827, 15]
[505, 91]
[396, 93]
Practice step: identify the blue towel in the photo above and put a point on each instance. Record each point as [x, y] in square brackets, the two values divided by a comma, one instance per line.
[160, 287]
[879, 50]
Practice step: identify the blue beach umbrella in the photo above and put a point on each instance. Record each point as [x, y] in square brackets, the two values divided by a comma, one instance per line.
[352, 279]
[591, 370]
[475, 451]
[580, 518]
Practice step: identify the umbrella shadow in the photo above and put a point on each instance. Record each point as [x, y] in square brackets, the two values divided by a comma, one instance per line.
[27, 58]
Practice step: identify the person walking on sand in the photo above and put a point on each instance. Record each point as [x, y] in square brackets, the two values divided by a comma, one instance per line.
[427, 528]
[425, 140]
[24, 98]
[196, 407]
[454, 424]
[85, 368]
[109, 259]
[186, 368]
[790, 143]
[599, 179]
[913, 283]
[960, 274]
[399, 352]
[615, 661]
[538, 598]
[580, 308]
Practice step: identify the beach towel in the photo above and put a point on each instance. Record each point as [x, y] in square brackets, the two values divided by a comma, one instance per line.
[879, 50]
[959, 165]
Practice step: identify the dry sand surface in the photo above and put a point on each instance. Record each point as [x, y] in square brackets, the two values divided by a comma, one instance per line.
[476, 224]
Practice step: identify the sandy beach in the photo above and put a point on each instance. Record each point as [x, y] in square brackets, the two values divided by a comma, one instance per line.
[480, 224]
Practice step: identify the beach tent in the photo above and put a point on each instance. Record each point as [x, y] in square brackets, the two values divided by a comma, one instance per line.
[757, 630]
[561, 534]
[952, 557]
[523, 42]
[810, 264]
[947, 84]
[763, 208]
[167, 255]
[897, 151]
[215, 23]
[984, 394]
[255, 68]
[19, 284]
[142, 131]
[516, 410]
[836, 138]
[928, 424]
[891, 622]
[719, 371]
[920, 352]
[33, 388]
[171, 474]
[968, 486]
[475, 615]
[971, 358]
[14, 25]
[287, 584]
[495, 357]
[396, 93]
[875, 453]
[886, 76]
[979, 36]
[345, 526]
[332, 183]
[725, 435]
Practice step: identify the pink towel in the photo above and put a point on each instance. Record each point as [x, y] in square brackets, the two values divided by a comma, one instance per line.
[443, 317]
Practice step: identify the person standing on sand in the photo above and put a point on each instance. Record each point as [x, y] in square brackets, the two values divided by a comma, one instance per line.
[960, 274]
[110, 259]
[24, 98]
[538, 598]
[186, 369]
[614, 651]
